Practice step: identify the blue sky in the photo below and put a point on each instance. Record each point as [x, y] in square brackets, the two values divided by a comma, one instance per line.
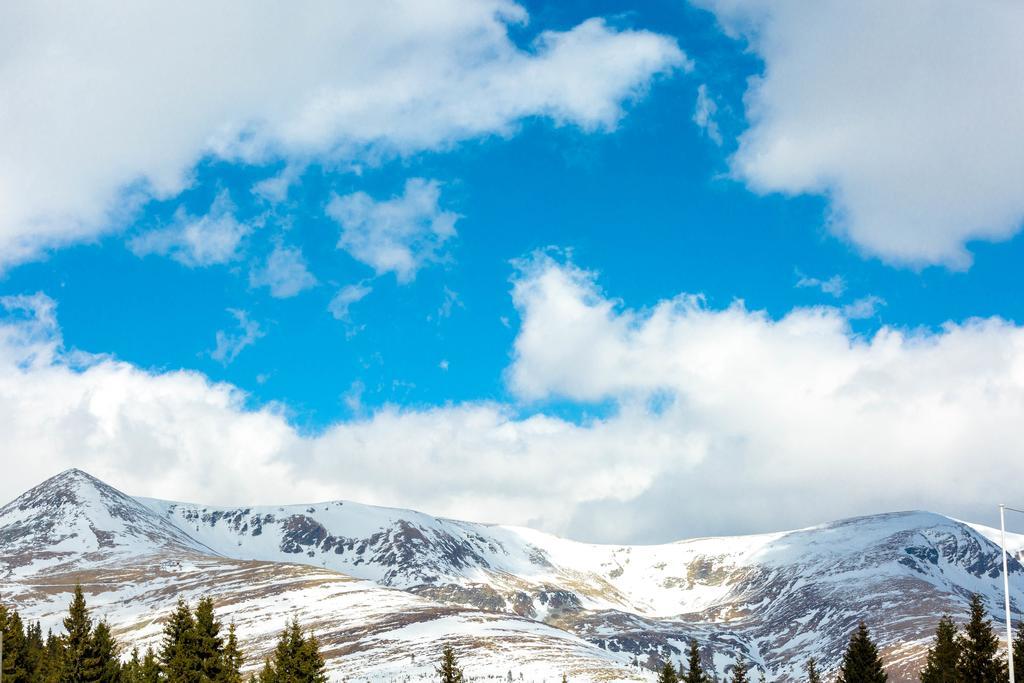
[640, 206]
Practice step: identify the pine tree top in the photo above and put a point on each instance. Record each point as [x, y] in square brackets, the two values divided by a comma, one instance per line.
[668, 674]
[862, 663]
[980, 659]
[449, 671]
[694, 670]
[812, 671]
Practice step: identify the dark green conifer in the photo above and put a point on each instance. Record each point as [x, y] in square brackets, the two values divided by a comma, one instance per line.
[150, 667]
[812, 671]
[694, 670]
[131, 672]
[178, 659]
[53, 660]
[35, 651]
[231, 669]
[668, 674]
[267, 673]
[296, 659]
[943, 655]
[1018, 652]
[16, 668]
[449, 671]
[104, 665]
[207, 644]
[739, 672]
[77, 641]
[861, 663]
[310, 662]
[980, 660]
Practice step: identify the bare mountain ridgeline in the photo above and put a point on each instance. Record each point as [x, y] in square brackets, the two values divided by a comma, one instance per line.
[384, 589]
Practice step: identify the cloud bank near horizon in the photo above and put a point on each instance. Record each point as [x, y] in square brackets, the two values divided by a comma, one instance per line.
[723, 421]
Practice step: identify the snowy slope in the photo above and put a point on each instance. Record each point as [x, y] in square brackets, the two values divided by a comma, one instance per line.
[773, 599]
[75, 517]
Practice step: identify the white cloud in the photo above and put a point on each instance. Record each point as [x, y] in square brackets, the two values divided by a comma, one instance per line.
[284, 272]
[789, 414]
[909, 115]
[864, 307]
[346, 296]
[725, 420]
[275, 188]
[197, 241]
[398, 235]
[704, 114]
[230, 345]
[353, 398]
[834, 285]
[106, 106]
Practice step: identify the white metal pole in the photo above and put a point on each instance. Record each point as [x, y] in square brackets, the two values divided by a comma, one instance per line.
[1006, 589]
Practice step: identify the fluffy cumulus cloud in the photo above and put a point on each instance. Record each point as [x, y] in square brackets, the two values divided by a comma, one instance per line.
[284, 272]
[908, 115]
[197, 241]
[107, 106]
[722, 420]
[780, 407]
[397, 235]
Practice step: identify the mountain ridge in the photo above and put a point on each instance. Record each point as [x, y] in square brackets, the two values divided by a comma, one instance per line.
[772, 599]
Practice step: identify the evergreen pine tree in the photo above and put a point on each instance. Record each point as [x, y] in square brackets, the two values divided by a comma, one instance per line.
[150, 668]
[77, 641]
[739, 672]
[668, 674]
[694, 670]
[15, 669]
[296, 659]
[861, 663]
[131, 672]
[207, 644]
[53, 659]
[449, 671]
[103, 666]
[231, 669]
[1018, 652]
[310, 663]
[812, 671]
[35, 652]
[178, 660]
[980, 660]
[286, 656]
[943, 655]
[267, 673]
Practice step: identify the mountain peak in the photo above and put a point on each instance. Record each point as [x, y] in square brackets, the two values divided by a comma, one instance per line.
[73, 515]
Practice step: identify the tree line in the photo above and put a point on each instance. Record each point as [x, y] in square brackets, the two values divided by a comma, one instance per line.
[194, 649]
[969, 656]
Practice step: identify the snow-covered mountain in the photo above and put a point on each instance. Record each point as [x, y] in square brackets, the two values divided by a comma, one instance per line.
[384, 587]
